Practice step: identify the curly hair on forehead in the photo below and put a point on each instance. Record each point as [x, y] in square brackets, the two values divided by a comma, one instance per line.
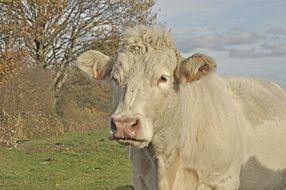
[140, 39]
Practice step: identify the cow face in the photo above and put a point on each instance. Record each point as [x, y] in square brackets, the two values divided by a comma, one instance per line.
[144, 85]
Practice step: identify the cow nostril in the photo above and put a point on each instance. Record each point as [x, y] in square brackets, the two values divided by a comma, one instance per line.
[135, 123]
[112, 125]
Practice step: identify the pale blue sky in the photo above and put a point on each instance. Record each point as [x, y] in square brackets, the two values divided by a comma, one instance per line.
[246, 37]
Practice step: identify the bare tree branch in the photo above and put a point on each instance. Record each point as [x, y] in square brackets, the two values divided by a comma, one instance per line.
[53, 32]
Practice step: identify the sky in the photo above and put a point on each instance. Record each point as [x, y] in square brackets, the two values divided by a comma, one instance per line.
[246, 37]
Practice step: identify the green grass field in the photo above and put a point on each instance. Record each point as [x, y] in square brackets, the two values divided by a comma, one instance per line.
[79, 161]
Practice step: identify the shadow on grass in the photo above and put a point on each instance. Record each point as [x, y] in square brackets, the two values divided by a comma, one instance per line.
[125, 187]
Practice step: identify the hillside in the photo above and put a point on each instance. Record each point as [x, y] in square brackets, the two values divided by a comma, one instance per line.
[28, 110]
[58, 146]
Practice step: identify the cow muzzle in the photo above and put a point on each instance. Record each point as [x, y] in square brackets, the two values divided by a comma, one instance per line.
[124, 128]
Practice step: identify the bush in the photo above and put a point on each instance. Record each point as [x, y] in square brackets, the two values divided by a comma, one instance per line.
[10, 62]
[27, 108]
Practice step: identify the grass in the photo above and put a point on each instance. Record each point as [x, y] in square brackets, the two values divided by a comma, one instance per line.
[79, 161]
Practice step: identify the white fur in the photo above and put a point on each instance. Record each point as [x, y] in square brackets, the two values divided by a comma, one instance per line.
[199, 134]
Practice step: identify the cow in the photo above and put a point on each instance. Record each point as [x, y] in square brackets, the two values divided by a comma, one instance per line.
[188, 127]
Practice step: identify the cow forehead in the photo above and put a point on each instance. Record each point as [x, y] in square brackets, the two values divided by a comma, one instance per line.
[128, 66]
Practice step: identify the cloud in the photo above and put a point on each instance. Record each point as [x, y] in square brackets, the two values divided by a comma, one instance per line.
[266, 50]
[245, 53]
[235, 42]
[278, 49]
[277, 31]
[170, 9]
[219, 41]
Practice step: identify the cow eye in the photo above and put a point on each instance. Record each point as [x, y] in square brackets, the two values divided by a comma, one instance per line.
[162, 79]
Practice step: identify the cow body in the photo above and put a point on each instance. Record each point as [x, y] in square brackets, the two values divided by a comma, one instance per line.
[261, 127]
[190, 128]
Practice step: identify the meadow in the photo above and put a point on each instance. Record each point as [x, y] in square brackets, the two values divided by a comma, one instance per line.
[79, 161]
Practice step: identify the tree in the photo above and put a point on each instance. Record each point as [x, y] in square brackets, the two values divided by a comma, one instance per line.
[12, 52]
[54, 32]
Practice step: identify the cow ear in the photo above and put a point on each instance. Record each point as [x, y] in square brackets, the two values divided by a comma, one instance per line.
[94, 64]
[195, 67]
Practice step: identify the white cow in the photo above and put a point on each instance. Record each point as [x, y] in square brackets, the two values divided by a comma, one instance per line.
[190, 128]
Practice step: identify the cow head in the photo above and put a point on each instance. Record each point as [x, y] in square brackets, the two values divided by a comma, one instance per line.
[144, 83]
